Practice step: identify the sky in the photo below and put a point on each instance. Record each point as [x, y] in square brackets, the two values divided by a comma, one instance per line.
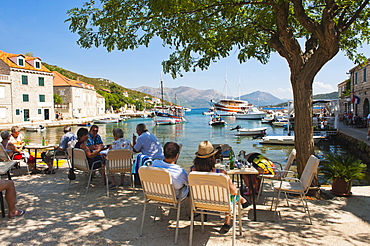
[38, 26]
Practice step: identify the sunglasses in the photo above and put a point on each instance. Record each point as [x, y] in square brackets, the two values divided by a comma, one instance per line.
[95, 130]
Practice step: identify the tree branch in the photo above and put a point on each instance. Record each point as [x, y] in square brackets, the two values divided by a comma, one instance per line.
[354, 16]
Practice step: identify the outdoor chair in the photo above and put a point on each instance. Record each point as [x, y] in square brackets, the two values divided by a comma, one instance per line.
[279, 174]
[5, 157]
[159, 190]
[56, 157]
[300, 187]
[210, 194]
[118, 161]
[79, 162]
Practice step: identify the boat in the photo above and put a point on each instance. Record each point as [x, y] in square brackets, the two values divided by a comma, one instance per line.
[251, 131]
[106, 121]
[230, 107]
[285, 140]
[209, 112]
[280, 122]
[84, 124]
[38, 128]
[187, 109]
[167, 114]
[252, 113]
[216, 120]
[268, 119]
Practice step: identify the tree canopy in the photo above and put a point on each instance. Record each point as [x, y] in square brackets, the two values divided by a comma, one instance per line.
[307, 33]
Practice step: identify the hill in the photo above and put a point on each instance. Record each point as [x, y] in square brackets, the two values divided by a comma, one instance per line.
[259, 98]
[331, 95]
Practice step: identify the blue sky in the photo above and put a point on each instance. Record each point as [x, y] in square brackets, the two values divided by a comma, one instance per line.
[38, 27]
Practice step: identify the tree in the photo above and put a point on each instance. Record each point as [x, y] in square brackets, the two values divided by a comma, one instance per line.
[57, 99]
[306, 33]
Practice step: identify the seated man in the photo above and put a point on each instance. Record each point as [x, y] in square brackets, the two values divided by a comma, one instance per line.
[68, 137]
[10, 198]
[147, 143]
[178, 174]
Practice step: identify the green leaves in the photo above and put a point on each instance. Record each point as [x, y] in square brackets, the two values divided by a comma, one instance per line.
[337, 166]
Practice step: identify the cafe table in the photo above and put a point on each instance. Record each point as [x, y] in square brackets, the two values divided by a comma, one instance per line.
[5, 167]
[36, 147]
[250, 171]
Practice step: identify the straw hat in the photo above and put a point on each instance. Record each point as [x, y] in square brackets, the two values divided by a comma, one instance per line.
[205, 150]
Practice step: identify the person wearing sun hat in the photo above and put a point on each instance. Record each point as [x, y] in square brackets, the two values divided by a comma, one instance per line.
[205, 162]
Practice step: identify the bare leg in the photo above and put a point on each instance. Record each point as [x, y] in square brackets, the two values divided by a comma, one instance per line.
[10, 196]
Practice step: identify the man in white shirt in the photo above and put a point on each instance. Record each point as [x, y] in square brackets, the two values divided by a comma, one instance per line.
[147, 143]
[178, 174]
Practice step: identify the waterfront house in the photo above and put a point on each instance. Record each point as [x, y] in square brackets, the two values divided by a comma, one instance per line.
[360, 89]
[26, 89]
[344, 94]
[79, 98]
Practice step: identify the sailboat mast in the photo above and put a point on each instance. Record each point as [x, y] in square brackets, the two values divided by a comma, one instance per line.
[162, 92]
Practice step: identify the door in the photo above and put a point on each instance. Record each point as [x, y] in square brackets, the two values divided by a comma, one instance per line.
[26, 115]
[366, 107]
[46, 114]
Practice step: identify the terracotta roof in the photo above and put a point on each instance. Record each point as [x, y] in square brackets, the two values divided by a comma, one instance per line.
[6, 57]
[60, 80]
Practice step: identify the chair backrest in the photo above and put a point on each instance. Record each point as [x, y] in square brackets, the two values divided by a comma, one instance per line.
[308, 172]
[3, 154]
[78, 158]
[209, 191]
[157, 184]
[290, 160]
[119, 160]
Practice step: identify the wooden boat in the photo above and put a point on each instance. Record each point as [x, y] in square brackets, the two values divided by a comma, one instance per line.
[251, 131]
[285, 140]
[38, 128]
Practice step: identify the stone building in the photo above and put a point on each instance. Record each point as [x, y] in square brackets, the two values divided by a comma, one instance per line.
[360, 89]
[79, 98]
[26, 89]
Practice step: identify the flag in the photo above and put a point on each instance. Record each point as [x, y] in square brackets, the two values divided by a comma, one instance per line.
[355, 99]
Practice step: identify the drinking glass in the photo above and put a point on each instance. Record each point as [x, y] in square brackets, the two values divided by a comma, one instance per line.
[46, 141]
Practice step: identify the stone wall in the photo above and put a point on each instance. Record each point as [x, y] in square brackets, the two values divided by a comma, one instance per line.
[357, 147]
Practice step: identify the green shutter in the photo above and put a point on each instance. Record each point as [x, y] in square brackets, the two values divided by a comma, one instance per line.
[17, 112]
[41, 81]
[25, 98]
[39, 111]
[42, 98]
[24, 80]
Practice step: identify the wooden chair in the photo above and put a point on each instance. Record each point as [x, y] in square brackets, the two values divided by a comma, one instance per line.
[210, 194]
[118, 161]
[279, 174]
[300, 187]
[159, 190]
[79, 162]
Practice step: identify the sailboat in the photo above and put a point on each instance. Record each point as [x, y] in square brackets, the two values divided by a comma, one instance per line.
[168, 114]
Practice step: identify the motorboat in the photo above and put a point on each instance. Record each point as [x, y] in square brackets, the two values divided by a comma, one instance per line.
[285, 140]
[252, 113]
[216, 120]
[187, 109]
[165, 121]
[268, 119]
[107, 121]
[251, 131]
[230, 106]
[280, 122]
[208, 112]
[33, 128]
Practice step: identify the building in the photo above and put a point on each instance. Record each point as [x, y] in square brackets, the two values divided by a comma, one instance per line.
[344, 95]
[79, 98]
[26, 89]
[360, 89]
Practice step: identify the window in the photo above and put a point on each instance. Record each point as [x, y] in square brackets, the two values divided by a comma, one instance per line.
[39, 111]
[20, 62]
[37, 64]
[61, 92]
[42, 98]
[24, 80]
[41, 81]
[356, 75]
[25, 98]
[17, 112]
[364, 74]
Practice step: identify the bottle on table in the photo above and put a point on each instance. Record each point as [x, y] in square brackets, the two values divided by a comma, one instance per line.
[43, 141]
[231, 159]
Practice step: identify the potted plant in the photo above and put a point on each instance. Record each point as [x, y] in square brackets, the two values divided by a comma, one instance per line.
[341, 170]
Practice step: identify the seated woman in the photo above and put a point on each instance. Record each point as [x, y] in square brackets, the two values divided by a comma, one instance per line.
[91, 155]
[205, 162]
[13, 150]
[119, 143]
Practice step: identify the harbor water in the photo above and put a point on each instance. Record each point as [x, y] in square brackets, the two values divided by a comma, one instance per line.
[191, 133]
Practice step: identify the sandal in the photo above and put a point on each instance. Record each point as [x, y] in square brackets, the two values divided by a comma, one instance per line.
[225, 229]
[246, 204]
[20, 213]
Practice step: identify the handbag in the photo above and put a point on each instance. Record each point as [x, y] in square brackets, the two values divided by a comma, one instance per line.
[71, 172]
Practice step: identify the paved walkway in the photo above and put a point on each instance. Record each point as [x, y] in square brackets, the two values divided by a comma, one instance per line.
[357, 133]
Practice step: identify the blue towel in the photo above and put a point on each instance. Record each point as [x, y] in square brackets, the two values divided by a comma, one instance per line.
[141, 160]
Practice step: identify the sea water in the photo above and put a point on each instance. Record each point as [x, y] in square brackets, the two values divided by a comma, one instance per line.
[191, 133]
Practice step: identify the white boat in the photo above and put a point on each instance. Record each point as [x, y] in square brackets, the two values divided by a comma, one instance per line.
[251, 131]
[230, 106]
[251, 113]
[165, 121]
[268, 119]
[280, 122]
[208, 112]
[187, 109]
[38, 128]
[216, 120]
[106, 121]
[284, 140]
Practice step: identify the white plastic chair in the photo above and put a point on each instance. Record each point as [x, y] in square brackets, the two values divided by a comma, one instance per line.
[5, 157]
[159, 190]
[300, 187]
[79, 160]
[119, 161]
[210, 194]
[279, 174]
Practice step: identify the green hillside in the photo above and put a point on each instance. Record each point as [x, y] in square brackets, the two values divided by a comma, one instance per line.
[115, 98]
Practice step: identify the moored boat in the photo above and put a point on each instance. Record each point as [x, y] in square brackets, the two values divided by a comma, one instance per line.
[251, 131]
[252, 113]
[230, 106]
[84, 124]
[216, 120]
[285, 140]
[280, 122]
[38, 128]
[106, 121]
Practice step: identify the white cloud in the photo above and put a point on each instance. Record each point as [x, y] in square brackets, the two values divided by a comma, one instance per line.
[320, 87]
[283, 93]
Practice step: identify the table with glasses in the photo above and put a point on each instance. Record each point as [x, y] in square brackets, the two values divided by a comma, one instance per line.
[36, 147]
[250, 171]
